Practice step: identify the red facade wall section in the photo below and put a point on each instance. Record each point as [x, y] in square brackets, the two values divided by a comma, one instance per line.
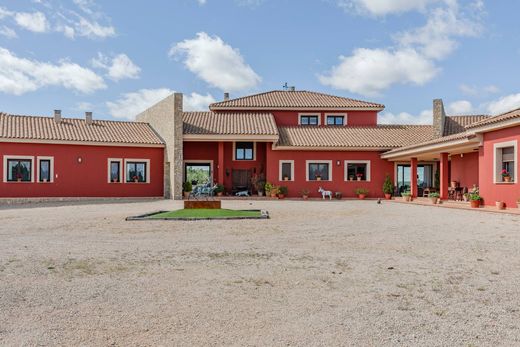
[465, 169]
[379, 169]
[490, 191]
[88, 178]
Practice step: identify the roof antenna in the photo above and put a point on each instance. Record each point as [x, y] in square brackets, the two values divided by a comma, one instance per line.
[285, 86]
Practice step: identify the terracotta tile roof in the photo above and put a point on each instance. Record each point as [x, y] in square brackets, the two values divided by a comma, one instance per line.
[380, 137]
[444, 139]
[212, 123]
[278, 99]
[457, 124]
[18, 127]
[496, 119]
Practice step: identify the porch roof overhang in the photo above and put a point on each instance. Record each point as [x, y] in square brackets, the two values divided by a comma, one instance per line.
[431, 150]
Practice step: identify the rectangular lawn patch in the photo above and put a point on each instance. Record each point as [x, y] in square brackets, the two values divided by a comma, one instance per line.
[201, 214]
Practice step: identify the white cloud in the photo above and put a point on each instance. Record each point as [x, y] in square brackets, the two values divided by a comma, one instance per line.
[468, 90]
[36, 21]
[216, 62]
[460, 107]
[416, 54]
[201, 2]
[504, 104]
[93, 29]
[370, 71]
[21, 75]
[84, 106]
[384, 7]
[119, 67]
[423, 118]
[131, 104]
[492, 89]
[473, 90]
[8, 32]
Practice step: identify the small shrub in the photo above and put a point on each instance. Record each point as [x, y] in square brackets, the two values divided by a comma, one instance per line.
[361, 191]
[283, 190]
[219, 188]
[407, 193]
[475, 197]
[187, 187]
[434, 195]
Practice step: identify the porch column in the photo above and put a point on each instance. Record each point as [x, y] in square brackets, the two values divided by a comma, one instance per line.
[443, 169]
[220, 164]
[413, 177]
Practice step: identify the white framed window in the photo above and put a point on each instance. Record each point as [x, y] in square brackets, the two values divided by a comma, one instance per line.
[505, 162]
[115, 170]
[318, 170]
[137, 170]
[357, 170]
[286, 170]
[337, 119]
[45, 169]
[309, 119]
[244, 151]
[18, 168]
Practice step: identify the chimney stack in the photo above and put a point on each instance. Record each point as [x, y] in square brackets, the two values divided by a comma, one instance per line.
[226, 96]
[88, 117]
[439, 117]
[57, 116]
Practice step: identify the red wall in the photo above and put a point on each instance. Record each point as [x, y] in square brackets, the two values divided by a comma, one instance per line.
[86, 179]
[464, 170]
[490, 191]
[378, 170]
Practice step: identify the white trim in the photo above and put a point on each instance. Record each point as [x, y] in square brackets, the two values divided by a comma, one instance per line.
[307, 162]
[198, 161]
[367, 162]
[147, 161]
[344, 115]
[311, 114]
[25, 157]
[499, 145]
[234, 151]
[82, 143]
[121, 169]
[51, 169]
[280, 162]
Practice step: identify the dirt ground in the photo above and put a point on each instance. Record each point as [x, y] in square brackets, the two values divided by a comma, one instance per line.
[316, 273]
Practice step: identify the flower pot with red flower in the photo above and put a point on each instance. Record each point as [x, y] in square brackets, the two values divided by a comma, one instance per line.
[136, 179]
[506, 176]
[359, 176]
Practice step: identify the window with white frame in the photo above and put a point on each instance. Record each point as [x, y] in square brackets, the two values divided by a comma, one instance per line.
[334, 119]
[286, 170]
[506, 161]
[357, 170]
[137, 170]
[45, 169]
[18, 168]
[309, 119]
[319, 170]
[115, 170]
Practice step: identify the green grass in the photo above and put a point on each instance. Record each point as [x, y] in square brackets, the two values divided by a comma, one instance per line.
[207, 213]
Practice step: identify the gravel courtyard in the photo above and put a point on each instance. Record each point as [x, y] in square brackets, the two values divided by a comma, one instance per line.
[316, 273]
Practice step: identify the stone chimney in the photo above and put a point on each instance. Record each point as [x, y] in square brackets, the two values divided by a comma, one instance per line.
[226, 96]
[438, 118]
[88, 117]
[57, 116]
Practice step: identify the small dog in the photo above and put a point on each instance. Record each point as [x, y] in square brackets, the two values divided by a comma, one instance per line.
[325, 193]
[242, 193]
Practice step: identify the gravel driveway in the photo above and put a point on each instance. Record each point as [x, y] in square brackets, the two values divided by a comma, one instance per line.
[316, 273]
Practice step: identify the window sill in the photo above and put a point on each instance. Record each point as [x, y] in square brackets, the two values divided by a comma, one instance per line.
[48, 182]
[505, 183]
[137, 182]
[356, 181]
[21, 182]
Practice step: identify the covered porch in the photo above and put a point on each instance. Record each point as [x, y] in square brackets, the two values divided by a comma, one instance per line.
[448, 165]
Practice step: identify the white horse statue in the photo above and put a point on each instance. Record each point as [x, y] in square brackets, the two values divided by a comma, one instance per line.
[325, 193]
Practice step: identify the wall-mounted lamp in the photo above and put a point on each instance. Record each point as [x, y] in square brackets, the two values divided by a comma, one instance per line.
[338, 163]
[227, 172]
[462, 155]
[80, 160]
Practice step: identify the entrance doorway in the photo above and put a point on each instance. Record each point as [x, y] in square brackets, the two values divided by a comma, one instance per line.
[425, 177]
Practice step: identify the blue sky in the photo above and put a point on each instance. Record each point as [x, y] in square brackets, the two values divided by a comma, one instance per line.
[117, 57]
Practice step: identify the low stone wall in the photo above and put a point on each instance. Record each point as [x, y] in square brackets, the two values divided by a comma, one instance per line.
[209, 204]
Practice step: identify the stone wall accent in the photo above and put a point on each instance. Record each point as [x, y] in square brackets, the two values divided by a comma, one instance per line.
[165, 117]
[439, 117]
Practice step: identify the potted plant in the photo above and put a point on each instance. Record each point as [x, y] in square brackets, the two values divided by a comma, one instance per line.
[136, 179]
[19, 177]
[506, 176]
[268, 186]
[359, 176]
[258, 181]
[273, 191]
[282, 192]
[219, 189]
[187, 188]
[338, 195]
[474, 200]
[434, 197]
[285, 178]
[388, 188]
[318, 177]
[305, 194]
[407, 196]
[361, 193]
[500, 205]
[350, 178]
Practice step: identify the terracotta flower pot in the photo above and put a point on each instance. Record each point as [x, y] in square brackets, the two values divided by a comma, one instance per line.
[500, 205]
[305, 197]
[260, 193]
[407, 198]
[434, 200]
[362, 196]
[186, 195]
[18, 180]
[388, 196]
[475, 203]
[318, 178]
[281, 196]
[220, 193]
[507, 179]
[273, 195]
[286, 178]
